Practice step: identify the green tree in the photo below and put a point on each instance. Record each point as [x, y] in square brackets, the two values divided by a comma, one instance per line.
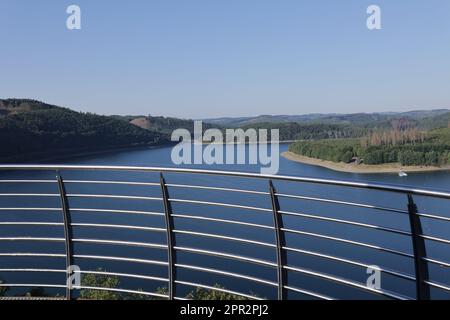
[205, 294]
[99, 281]
[111, 282]
[431, 158]
[347, 157]
[411, 158]
[392, 156]
[374, 157]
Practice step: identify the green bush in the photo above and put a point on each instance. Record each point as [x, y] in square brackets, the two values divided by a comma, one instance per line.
[99, 280]
[205, 294]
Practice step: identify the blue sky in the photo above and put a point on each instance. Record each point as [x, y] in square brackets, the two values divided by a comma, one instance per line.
[211, 58]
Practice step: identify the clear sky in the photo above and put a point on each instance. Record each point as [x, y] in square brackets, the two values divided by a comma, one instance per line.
[210, 58]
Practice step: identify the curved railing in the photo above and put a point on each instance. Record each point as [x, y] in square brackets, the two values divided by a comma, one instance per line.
[280, 229]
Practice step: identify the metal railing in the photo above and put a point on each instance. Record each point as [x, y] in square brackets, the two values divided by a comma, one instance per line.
[279, 230]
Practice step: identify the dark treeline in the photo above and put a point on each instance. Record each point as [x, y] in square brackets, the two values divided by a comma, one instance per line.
[298, 131]
[31, 129]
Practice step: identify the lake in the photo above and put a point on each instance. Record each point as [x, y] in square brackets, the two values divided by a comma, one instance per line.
[161, 157]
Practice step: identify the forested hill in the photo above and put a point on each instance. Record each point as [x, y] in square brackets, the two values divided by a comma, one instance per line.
[31, 130]
[334, 126]
[381, 119]
[407, 147]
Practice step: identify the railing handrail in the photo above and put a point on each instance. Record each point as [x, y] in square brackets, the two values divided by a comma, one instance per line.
[354, 184]
[279, 230]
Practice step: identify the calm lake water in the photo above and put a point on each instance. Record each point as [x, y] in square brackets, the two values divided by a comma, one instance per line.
[161, 157]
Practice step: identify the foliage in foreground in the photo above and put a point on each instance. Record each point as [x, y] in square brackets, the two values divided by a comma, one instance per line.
[205, 294]
[3, 289]
[111, 282]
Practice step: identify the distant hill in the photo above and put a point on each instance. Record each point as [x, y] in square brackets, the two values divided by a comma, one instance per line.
[166, 125]
[31, 130]
[333, 126]
[363, 119]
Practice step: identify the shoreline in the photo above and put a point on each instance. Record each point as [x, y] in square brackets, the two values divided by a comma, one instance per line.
[65, 154]
[360, 168]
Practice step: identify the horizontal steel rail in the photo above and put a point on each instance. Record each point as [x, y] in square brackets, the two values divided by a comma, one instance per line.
[126, 183]
[436, 239]
[122, 243]
[227, 256]
[29, 195]
[147, 213]
[226, 273]
[33, 270]
[44, 224]
[116, 226]
[347, 282]
[351, 262]
[30, 209]
[33, 254]
[346, 203]
[173, 232]
[221, 237]
[437, 262]
[136, 292]
[221, 204]
[120, 259]
[109, 196]
[125, 275]
[240, 223]
[432, 216]
[361, 185]
[356, 243]
[309, 293]
[438, 285]
[27, 181]
[37, 239]
[186, 186]
[31, 285]
[352, 223]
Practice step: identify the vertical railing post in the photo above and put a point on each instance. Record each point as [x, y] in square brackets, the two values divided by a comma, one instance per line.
[170, 238]
[67, 234]
[421, 266]
[280, 243]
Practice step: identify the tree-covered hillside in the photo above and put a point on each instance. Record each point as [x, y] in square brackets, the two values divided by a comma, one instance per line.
[408, 148]
[31, 129]
[368, 120]
[298, 131]
[354, 125]
[167, 125]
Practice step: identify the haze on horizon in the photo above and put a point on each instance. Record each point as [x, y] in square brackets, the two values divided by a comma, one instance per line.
[203, 59]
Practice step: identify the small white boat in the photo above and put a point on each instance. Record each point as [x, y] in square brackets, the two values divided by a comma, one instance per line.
[402, 174]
